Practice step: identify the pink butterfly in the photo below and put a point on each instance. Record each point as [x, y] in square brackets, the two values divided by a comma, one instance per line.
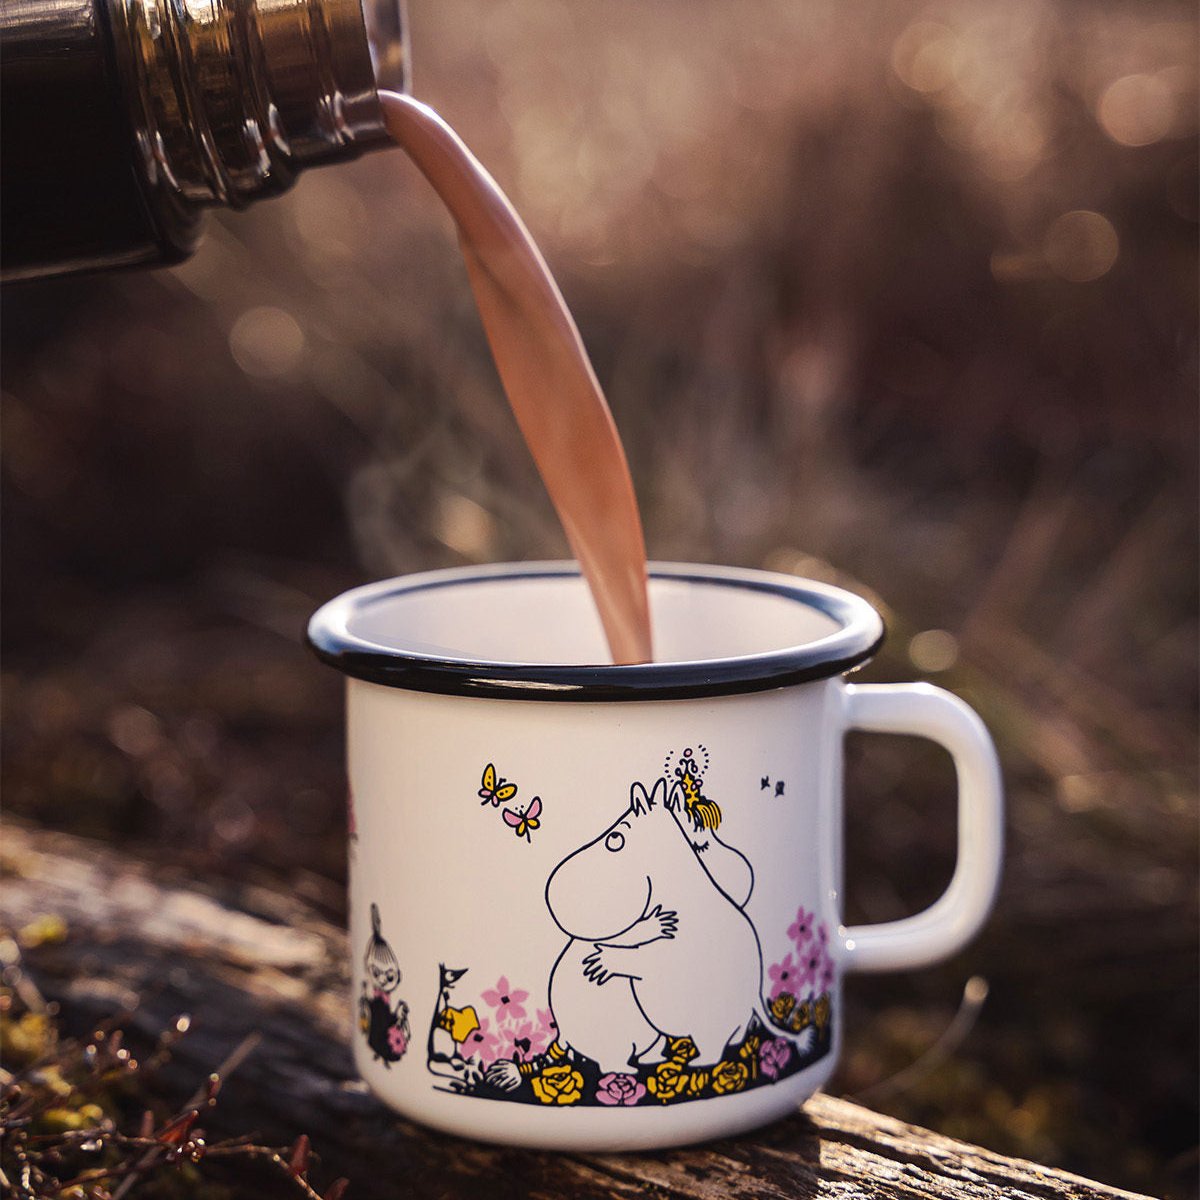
[526, 821]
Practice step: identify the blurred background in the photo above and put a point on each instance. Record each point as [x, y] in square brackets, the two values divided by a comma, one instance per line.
[900, 296]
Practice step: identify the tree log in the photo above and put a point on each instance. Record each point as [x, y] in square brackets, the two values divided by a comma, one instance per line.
[246, 959]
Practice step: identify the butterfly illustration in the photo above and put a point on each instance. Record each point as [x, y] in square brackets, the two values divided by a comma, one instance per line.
[525, 822]
[495, 789]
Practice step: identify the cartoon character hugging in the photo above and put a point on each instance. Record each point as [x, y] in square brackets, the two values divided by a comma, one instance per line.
[381, 1018]
[646, 917]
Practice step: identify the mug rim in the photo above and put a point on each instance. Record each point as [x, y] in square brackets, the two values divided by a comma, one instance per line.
[859, 636]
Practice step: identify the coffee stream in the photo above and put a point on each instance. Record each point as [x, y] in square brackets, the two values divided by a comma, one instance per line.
[546, 374]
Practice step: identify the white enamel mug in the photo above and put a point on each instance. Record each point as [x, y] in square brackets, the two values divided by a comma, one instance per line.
[598, 907]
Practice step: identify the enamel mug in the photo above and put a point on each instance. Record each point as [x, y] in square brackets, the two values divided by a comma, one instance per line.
[599, 907]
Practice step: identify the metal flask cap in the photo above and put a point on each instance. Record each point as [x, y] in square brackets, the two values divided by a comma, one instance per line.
[230, 99]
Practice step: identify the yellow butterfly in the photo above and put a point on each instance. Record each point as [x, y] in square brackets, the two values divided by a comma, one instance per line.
[495, 789]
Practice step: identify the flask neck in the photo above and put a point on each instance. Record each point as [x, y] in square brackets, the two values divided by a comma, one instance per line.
[230, 99]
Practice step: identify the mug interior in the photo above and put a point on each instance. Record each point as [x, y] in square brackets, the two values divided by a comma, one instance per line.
[529, 631]
[551, 619]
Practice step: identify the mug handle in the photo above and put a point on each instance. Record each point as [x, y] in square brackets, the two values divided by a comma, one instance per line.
[956, 916]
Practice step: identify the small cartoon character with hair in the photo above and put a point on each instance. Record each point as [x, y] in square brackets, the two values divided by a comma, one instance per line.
[382, 1020]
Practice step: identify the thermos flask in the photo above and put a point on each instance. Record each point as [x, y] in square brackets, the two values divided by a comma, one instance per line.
[124, 119]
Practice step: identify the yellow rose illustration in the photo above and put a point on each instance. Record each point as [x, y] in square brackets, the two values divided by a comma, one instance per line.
[821, 1011]
[668, 1081]
[681, 1049]
[801, 1018]
[782, 1006]
[729, 1077]
[749, 1052]
[560, 1084]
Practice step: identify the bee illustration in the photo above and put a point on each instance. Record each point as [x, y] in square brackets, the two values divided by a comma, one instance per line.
[702, 812]
[526, 820]
[494, 789]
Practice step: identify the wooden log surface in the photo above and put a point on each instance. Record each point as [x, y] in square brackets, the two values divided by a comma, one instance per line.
[243, 959]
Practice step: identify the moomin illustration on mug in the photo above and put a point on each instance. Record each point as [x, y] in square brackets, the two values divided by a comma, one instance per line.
[658, 994]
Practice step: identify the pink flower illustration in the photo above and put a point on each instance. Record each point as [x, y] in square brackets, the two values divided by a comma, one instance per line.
[620, 1090]
[825, 974]
[547, 1026]
[810, 966]
[397, 1042]
[483, 1044]
[509, 1002]
[783, 976]
[823, 934]
[773, 1056]
[801, 929]
[542, 1037]
[522, 1041]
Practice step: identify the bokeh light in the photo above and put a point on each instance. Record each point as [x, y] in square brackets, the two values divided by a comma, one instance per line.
[1137, 110]
[1081, 246]
[933, 650]
[267, 342]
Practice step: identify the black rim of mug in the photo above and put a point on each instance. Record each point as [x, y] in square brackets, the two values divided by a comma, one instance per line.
[860, 633]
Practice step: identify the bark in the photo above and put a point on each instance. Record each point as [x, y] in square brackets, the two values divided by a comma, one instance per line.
[248, 959]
